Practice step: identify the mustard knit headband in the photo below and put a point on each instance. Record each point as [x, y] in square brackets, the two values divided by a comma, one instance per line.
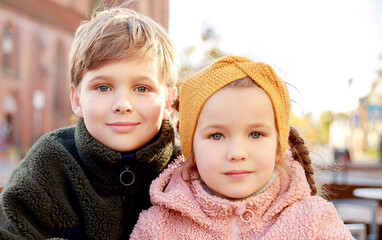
[203, 84]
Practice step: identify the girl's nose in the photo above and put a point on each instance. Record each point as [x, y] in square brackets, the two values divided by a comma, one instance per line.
[237, 150]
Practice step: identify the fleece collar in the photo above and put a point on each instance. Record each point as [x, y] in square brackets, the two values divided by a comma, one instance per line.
[191, 199]
[104, 165]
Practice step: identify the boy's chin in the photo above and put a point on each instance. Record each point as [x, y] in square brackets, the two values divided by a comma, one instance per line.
[125, 148]
[127, 145]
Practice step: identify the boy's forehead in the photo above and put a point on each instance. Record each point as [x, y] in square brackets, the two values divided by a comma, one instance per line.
[128, 59]
[134, 60]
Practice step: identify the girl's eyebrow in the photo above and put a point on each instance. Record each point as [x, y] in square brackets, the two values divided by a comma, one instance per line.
[213, 125]
[261, 125]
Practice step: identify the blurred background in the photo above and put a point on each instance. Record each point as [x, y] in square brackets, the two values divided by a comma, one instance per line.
[329, 53]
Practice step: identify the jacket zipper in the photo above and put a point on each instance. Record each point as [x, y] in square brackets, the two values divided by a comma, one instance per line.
[127, 158]
[123, 217]
[234, 228]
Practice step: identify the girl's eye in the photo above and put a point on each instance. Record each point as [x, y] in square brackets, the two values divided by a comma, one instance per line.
[216, 136]
[142, 89]
[103, 88]
[255, 135]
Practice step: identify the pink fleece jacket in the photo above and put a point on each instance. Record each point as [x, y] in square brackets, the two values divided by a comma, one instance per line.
[184, 210]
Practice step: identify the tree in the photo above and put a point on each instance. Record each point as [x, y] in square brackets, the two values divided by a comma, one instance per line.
[306, 128]
[196, 57]
[326, 119]
[211, 44]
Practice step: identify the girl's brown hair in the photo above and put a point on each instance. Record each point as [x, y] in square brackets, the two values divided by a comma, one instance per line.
[300, 153]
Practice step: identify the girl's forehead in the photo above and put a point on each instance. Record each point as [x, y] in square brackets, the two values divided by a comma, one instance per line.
[238, 100]
[237, 91]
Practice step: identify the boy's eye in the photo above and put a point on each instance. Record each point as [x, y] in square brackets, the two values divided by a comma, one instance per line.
[142, 89]
[103, 88]
[216, 136]
[255, 135]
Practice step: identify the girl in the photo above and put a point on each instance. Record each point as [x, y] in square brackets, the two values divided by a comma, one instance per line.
[243, 179]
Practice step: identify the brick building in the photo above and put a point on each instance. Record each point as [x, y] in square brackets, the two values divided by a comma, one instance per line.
[35, 38]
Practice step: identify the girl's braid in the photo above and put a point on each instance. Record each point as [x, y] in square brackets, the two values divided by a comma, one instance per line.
[300, 153]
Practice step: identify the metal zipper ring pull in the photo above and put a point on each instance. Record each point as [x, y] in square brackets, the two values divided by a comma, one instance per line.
[247, 216]
[127, 171]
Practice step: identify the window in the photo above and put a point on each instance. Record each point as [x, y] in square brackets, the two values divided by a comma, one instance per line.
[8, 52]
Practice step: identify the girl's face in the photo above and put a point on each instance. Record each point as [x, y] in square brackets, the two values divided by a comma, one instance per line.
[235, 141]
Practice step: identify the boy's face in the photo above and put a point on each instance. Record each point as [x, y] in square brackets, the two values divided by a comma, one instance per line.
[122, 103]
[235, 141]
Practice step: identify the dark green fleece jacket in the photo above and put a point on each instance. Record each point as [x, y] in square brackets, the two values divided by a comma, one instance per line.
[68, 186]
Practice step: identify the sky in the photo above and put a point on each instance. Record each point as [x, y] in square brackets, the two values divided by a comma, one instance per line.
[316, 46]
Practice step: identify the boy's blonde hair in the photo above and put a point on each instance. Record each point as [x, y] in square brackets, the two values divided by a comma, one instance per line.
[120, 33]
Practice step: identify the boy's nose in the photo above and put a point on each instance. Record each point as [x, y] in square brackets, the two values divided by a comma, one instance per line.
[122, 106]
[237, 150]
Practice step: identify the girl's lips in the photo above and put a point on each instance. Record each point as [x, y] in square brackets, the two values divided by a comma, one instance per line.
[237, 174]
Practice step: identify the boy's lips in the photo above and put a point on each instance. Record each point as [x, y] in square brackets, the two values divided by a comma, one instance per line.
[123, 127]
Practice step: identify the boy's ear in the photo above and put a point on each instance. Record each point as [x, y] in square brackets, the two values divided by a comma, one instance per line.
[171, 97]
[75, 101]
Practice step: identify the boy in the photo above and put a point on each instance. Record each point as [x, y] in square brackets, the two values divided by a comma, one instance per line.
[91, 181]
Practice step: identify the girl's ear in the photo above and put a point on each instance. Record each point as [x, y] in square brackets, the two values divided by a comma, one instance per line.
[75, 101]
[171, 97]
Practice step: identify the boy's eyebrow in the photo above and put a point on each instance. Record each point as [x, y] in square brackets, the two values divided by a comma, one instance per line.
[101, 77]
[98, 77]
